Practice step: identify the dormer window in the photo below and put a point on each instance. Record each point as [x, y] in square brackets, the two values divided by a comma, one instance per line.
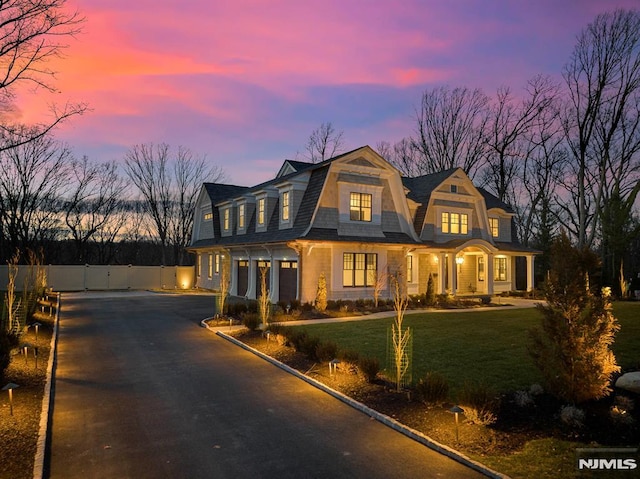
[262, 203]
[241, 214]
[454, 189]
[360, 206]
[208, 216]
[455, 223]
[494, 227]
[227, 219]
[285, 206]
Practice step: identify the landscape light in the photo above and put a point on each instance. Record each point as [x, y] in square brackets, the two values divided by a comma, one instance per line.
[10, 387]
[456, 410]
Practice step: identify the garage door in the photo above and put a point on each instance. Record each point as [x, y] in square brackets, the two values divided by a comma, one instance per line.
[243, 277]
[288, 280]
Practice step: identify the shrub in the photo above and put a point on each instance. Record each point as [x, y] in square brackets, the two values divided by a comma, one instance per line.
[572, 416]
[297, 339]
[479, 403]
[321, 294]
[309, 346]
[370, 367]
[523, 399]
[430, 296]
[326, 351]
[251, 321]
[349, 356]
[332, 305]
[485, 299]
[5, 353]
[433, 389]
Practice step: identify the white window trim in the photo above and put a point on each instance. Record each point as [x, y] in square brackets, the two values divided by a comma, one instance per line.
[460, 211]
[344, 202]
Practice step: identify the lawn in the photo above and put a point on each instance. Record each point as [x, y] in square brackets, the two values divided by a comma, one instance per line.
[488, 346]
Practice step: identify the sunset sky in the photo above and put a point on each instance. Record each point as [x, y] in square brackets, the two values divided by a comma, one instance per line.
[244, 82]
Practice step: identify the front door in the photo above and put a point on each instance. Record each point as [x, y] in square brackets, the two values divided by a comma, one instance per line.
[288, 280]
[243, 277]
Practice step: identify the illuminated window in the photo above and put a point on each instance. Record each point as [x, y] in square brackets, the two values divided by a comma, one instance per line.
[500, 268]
[198, 261]
[455, 223]
[360, 207]
[227, 219]
[208, 216]
[480, 268]
[217, 264]
[359, 269]
[494, 226]
[410, 269]
[261, 206]
[241, 216]
[285, 206]
[210, 265]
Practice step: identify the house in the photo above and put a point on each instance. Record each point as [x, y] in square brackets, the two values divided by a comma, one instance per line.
[353, 218]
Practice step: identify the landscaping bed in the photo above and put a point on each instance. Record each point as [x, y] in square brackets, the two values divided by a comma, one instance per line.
[19, 432]
[527, 440]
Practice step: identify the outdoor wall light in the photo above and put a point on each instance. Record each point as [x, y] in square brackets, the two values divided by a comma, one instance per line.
[459, 259]
[10, 387]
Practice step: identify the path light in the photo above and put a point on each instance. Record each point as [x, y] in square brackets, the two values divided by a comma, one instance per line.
[25, 350]
[37, 326]
[10, 387]
[456, 410]
[333, 366]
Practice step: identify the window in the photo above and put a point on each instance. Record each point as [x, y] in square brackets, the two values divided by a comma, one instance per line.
[359, 269]
[227, 219]
[285, 206]
[494, 227]
[217, 264]
[208, 216]
[261, 206]
[288, 264]
[454, 189]
[360, 207]
[210, 266]
[241, 216]
[410, 269]
[480, 268]
[198, 260]
[455, 223]
[500, 269]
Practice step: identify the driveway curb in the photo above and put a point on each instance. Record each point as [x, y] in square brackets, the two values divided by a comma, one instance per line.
[384, 419]
[41, 444]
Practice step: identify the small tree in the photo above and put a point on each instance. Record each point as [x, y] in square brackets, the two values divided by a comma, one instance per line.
[431, 292]
[400, 337]
[572, 349]
[321, 293]
[263, 300]
[10, 296]
[379, 283]
[224, 284]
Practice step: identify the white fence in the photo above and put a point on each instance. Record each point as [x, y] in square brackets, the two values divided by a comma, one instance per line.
[98, 278]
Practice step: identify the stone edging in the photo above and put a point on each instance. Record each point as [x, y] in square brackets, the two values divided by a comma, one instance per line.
[38, 463]
[384, 419]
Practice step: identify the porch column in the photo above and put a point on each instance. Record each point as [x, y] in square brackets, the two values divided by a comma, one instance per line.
[233, 276]
[251, 280]
[453, 273]
[530, 272]
[274, 293]
[442, 262]
[489, 274]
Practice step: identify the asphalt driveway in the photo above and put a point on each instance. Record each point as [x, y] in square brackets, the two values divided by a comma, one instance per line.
[142, 391]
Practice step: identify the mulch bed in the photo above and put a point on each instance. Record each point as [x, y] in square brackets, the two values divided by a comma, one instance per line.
[19, 433]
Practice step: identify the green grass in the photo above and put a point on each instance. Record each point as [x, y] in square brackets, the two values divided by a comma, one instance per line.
[489, 346]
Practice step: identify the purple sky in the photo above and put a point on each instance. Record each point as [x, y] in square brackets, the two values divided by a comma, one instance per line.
[244, 82]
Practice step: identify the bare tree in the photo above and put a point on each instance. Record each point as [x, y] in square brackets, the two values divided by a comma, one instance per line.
[509, 123]
[32, 178]
[95, 198]
[404, 155]
[450, 132]
[601, 119]
[263, 300]
[169, 187]
[10, 296]
[225, 282]
[324, 143]
[32, 32]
